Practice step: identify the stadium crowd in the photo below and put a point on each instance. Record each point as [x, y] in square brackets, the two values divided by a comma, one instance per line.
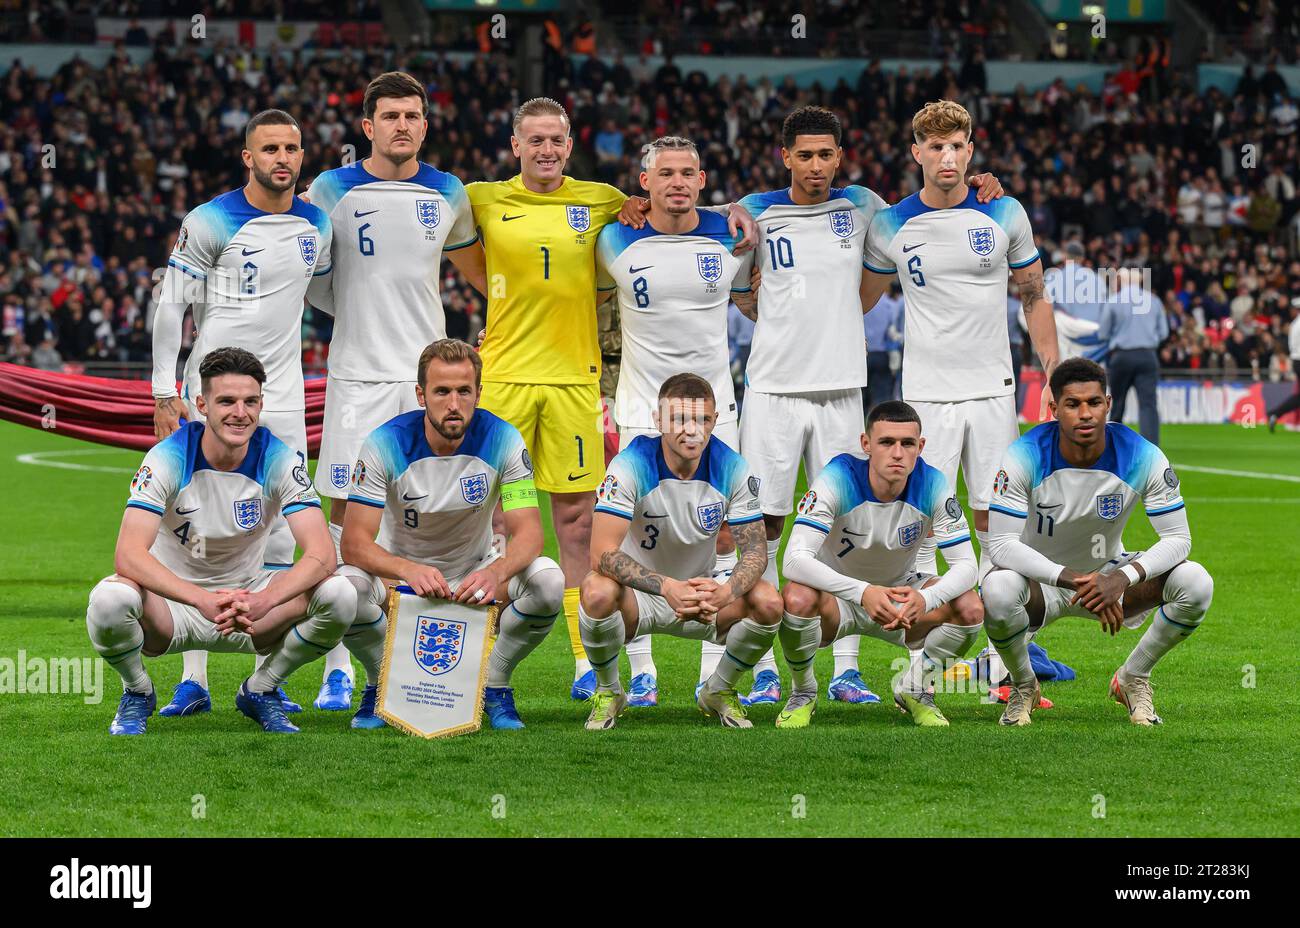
[99, 166]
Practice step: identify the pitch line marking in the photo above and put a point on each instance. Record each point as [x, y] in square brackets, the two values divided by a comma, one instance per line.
[47, 459]
[1289, 478]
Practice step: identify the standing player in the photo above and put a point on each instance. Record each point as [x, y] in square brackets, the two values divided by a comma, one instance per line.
[190, 550]
[428, 482]
[394, 219]
[808, 362]
[243, 261]
[541, 360]
[1061, 501]
[951, 254]
[673, 279]
[851, 566]
[653, 545]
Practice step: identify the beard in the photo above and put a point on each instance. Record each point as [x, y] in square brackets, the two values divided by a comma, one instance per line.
[270, 183]
[449, 430]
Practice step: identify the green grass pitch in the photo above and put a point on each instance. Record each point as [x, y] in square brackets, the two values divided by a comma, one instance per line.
[1223, 763]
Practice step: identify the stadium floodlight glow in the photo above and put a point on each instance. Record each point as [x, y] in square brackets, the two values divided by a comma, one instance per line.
[1061, 27]
[1091, 9]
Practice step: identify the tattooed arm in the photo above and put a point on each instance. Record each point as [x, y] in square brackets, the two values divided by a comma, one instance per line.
[751, 540]
[607, 534]
[1039, 317]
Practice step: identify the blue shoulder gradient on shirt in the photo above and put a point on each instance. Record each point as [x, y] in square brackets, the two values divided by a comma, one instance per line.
[1004, 211]
[183, 451]
[400, 442]
[1128, 455]
[226, 214]
[846, 477]
[719, 466]
[615, 238]
[861, 198]
[332, 186]
[639, 461]
[756, 203]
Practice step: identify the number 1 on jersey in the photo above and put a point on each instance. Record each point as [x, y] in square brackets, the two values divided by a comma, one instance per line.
[546, 262]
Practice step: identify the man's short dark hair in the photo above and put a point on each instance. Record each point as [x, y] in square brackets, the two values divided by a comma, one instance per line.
[269, 118]
[221, 361]
[892, 411]
[810, 120]
[1077, 370]
[686, 386]
[395, 85]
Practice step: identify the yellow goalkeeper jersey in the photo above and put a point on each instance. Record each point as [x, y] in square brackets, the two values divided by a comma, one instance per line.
[541, 275]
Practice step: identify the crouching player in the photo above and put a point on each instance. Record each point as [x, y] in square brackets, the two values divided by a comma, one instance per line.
[653, 539]
[189, 557]
[1060, 503]
[851, 566]
[427, 483]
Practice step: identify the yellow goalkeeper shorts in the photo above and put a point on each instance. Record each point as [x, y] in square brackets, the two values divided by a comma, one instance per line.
[562, 427]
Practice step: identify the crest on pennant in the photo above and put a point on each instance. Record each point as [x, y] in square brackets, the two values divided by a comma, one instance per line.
[248, 512]
[474, 488]
[339, 475]
[710, 267]
[908, 534]
[710, 516]
[1109, 506]
[981, 240]
[579, 217]
[427, 212]
[438, 644]
[842, 223]
[307, 248]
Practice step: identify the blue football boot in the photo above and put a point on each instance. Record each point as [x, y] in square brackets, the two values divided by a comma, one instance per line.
[767, 688]
[288, 704]
[133, 711]
[335, 693]
[584, 687]
[850, 687]
[644, 692]
[188, 698]
[366, 717]
[499, 704]
[266, 709]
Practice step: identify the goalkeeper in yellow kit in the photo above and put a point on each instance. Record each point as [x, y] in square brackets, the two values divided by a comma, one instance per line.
[541, 359]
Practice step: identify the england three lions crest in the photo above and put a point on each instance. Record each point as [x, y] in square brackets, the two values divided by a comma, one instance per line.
[248, 513]
[427, 212]
[339, 475]
[474, 488]
[710, 517]
[981, 240]
[710, 267]
[579, 217]
[307, 248]
[1110, 505]
[842, 223]
[908, 534]
[439, 644]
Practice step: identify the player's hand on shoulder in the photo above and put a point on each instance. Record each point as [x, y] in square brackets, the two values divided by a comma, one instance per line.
[478, 342]
[743, 228]
[427, 581]
[987, 187]
[633, 212]
[167, 415]
[479, 587]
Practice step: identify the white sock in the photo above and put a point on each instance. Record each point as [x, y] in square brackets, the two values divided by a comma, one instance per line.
[113, 622]
[336, 532]
[641, 658]
[603, 639]
[710, 654]
[942, 647]
[746, 642]
[1006, 621]
[365, 639]
[985, 562]
[194, 666]
[1188, 592]
[770, 573]
[528, 619]
[800, 638]
[725, 563]
[338, 659]
[846, 652]
[332, 610]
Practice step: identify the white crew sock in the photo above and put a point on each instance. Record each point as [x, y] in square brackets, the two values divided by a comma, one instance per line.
[710, 654]
[603, 639]
[336, 532]
[194, 666]
[365, 639]
[746, 642]
[528, 619]
[846, 652]
[641, 657]
[985, 562]
[113, 623]
[330, 614]
[942, 647]
[800, 638]
[1188, 592]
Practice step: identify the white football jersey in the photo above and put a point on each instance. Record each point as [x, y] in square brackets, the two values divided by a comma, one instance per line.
[215, 523]
[953, 265]
[675, 522]
[874, 541]
[438, 509]
[248, 271]
[1075, 516]
[809, 331]
[390, 237]
[673, 292]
